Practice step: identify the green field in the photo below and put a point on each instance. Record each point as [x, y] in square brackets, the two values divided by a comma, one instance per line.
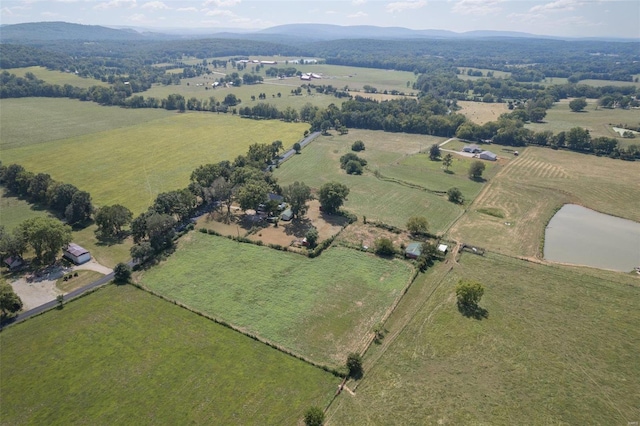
[529, 190]
[559, 346]
[322, 308]
[13, 210]
[389, 202]
[28, 121]
[599, 121]
[131, 165]
[58, 77]
[123, 356]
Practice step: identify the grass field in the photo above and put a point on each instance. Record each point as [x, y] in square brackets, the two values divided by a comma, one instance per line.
[389, 202]
[482, 112]
[13, 211]
[558, 347]
[529, 190]
[131, 165]
[123, 356]
[58, 77]
[599, 121]
[28, 121]
[322, 308]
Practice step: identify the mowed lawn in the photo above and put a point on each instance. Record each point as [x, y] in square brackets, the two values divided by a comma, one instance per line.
[27, 121]
[598, 121]
[131, 165]
[123, 356]
[14, 211]
[321, 308]
[559, 346]
[376, 198]
[525, 194]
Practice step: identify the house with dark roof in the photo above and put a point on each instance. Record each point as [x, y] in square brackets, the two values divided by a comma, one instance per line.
[471, 148]
[488, 155]
[413, 250]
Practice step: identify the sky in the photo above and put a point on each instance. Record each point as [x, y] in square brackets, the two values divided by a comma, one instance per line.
[566, 18]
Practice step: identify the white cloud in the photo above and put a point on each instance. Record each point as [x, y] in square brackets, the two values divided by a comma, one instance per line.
[220, 12]
[526, 17]
[359, 2]
[114, 4]
[6, 11]
[331, 12]
[51, 15]
[556, 6]
[476, 7]
[186, 9]
[221, 3]
[401, 6]
[358, 15]
[138, 18]
[155, 5]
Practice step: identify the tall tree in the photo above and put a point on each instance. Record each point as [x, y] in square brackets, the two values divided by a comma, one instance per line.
[80, 208]
[434, 152]
[252, 194]
[46, 236]
[447, 161]
[111, 220]
[297, 194]
[332, 196]
[476, 169]
[578, 104]
[10, 303]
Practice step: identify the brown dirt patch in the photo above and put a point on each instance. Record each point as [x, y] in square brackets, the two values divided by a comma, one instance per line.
[481, 112]
[360, 234]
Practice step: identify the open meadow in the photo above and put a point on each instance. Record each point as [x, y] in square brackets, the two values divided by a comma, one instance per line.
[14, 210]
[380, 199]
[321, 308]
[121, 355]
[58, 77]
[511, 213]
[482, 112]
[131, 165]
[599, 121]
[29, 121]
[558, 347]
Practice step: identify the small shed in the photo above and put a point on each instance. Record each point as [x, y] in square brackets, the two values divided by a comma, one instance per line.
[442, 248]
[76, 254]
[286, 215]
[471, 148]
[488, 155]
[413, 250]
[13, 262]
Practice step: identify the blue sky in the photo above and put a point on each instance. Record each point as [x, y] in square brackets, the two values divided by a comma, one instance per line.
[573, 18]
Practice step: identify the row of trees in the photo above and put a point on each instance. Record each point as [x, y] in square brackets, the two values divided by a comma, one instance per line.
[62, 198]
[45, 235]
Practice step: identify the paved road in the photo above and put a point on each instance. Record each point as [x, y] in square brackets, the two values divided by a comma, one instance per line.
[71, 295]
[306, 141]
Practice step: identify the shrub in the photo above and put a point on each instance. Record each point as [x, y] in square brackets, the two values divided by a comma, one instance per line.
[345, 159]
[314, 416]
[121, 273]
[357, 146]
[354, 365]
[455, 195]
[312, 237]
[384, 247]
[418, 225]
[353, 168]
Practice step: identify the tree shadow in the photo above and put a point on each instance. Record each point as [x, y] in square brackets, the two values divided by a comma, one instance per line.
[478, 179]
[473, 311]
[297, 227]
[449, 172]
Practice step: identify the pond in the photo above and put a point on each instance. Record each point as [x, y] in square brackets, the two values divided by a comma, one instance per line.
[582, 236]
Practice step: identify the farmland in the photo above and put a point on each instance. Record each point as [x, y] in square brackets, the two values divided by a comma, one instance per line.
[57, 77]
[322, 308]
[131, 165]
[123, 356]
[525, 194]
[386, 153]
[13, 211]
[558, 346]
[482, 112]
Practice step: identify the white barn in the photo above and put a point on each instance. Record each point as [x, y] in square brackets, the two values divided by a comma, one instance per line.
[76, 254]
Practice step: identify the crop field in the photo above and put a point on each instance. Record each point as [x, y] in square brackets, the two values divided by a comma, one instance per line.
[121, 355]
[30, 121]
[377, 199]
[482, 112]
[510, 215]
[599, 121]
[58, 77]
[558, 347]
[322, 308]
[131, 165]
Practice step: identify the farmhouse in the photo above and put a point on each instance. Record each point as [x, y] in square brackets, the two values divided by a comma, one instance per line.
[488, 155]
[413, 250]
[76, 254]
[471, 148]
[286, 215]
[13, 262]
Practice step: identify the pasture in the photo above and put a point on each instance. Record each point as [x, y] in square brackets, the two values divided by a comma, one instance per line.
[57, 77]
[558, 347]
[121, 355]
[599, 121]
[322, 308]
[30, 121]
[131, 165]
[379, 199]
[14, 210]
[511, 213]
[482, 112]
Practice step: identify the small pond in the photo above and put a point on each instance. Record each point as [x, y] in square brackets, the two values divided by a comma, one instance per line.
[585, 237]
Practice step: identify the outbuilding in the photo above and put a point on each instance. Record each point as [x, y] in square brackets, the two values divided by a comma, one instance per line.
[413, 250]
[471, 148]
[76, 254]
[286, 215]
[488, 155]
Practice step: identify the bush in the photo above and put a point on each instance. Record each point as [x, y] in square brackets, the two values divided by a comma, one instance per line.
[353, 168]
[314, 416]
[384, 247]
[476, 169]
[312, 237]
[455, 196]
[345, 159]
[418, 225]
[354, 365]
[357, 146]
[121, 273]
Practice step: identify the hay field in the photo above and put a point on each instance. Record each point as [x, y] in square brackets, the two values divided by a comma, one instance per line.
[482, 112]
[558, 347]
[523, 197]
[598, 121]
[57, 77]
[123, 356]
[131, 165]
[322, 308]
[29, 121]
[376, 198]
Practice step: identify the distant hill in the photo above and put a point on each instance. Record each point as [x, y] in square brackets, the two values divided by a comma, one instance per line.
[48, 31]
